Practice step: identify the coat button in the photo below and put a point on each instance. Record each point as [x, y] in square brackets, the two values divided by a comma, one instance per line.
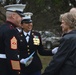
[20, 40]
[28, 46]
[21, 35]
[18, 72]
[28, 53]
[28, 50]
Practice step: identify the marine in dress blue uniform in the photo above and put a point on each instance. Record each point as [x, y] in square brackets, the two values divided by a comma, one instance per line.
[34, 44]
[9, 60]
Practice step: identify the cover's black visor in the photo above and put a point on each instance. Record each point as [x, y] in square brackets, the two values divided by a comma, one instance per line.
[26, 21]
[20, 13]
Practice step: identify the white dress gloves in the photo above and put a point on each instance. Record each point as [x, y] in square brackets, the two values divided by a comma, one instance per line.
[27, 61]
[54, 50]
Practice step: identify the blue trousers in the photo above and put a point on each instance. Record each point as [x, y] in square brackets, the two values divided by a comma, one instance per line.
[35, 73]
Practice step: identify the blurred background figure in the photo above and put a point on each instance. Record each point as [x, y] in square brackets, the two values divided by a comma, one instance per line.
[73, 12]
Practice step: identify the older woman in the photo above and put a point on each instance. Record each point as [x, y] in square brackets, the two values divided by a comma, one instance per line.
[64, 61]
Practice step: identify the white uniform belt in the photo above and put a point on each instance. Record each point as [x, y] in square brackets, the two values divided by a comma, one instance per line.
[4, 56]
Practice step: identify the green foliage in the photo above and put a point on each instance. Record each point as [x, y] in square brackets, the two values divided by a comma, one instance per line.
[46, 12]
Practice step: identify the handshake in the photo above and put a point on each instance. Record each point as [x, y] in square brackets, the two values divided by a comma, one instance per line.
[27, 61]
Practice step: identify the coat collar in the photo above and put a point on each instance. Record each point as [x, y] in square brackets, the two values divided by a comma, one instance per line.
[25, 33]
[11, 24]
[71, 32]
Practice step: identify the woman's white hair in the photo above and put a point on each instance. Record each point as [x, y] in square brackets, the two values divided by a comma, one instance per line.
[69, 19]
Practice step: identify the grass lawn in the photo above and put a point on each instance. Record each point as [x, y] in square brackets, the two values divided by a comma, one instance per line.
[45, 61]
